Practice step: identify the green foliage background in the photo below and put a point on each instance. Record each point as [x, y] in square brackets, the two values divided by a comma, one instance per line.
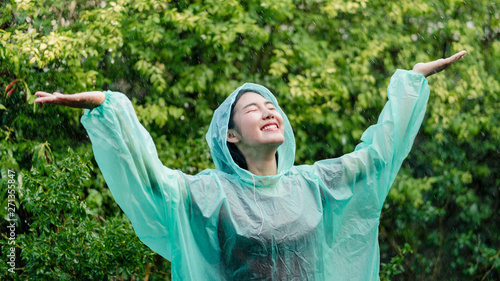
[329, 63]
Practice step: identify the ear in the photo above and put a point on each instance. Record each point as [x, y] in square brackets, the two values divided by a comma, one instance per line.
[232, 136]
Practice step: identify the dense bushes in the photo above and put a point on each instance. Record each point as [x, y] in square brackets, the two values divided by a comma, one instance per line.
[329, 63]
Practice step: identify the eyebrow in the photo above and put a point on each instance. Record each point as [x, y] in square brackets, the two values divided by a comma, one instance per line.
[254, 103]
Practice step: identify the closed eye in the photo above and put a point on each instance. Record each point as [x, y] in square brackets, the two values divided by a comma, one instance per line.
[270, 105]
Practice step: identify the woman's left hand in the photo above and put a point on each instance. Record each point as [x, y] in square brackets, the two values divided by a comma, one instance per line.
[433, 67]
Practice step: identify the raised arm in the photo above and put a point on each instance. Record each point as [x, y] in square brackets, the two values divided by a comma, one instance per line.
[87, 100]
[369, 171]
[433, 67]
[386, 144]
[150, 194]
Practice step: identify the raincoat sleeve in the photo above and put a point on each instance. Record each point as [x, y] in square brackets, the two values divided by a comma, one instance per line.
[369, 171]
[148, 192]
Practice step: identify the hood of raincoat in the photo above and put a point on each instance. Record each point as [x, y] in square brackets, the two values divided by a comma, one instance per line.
[217, 140]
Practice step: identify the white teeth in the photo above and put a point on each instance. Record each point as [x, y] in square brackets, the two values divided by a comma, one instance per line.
[269, 127]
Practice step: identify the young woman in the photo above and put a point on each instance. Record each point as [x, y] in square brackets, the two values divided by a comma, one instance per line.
[257, 216]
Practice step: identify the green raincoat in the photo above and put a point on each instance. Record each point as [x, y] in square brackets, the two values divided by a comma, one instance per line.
[308, 222]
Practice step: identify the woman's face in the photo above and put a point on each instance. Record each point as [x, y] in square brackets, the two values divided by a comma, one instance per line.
[257, 123]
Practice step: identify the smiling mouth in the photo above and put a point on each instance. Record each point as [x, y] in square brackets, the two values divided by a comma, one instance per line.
[270, 127]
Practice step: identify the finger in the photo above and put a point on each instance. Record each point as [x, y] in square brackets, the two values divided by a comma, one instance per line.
[42, 94]
[450, 60]
[41, 100]
[458, 55]
[47, 99]
[46, 94]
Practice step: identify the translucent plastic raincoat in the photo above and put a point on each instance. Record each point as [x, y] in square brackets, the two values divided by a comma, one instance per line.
[309, 222]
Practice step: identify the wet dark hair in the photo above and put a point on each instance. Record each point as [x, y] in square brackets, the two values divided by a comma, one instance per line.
[238, 157]
[236, 154]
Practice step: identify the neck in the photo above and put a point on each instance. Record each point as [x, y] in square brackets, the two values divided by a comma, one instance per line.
[262, 163]
[263, 168]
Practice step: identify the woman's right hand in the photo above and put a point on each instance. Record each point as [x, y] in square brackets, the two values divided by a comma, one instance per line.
[80, 100]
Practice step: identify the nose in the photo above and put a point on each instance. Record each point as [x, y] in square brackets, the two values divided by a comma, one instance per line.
[268, 114]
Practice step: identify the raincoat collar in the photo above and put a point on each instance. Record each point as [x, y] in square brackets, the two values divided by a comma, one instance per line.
[217, 141]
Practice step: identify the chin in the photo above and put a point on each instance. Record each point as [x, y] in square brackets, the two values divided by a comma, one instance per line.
[278, 141]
